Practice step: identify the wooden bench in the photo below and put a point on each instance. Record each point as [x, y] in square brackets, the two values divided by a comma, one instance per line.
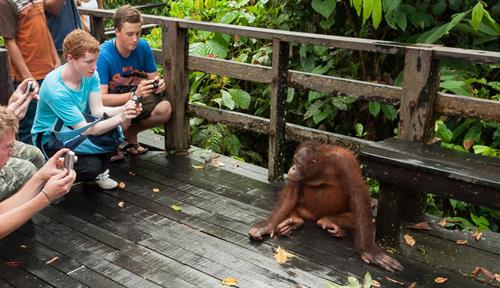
[406, 167]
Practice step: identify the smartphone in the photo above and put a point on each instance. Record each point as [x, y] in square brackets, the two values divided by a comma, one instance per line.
[69, 160]
[30, 87]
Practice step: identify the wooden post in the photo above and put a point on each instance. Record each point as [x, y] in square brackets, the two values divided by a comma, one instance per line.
[276, 165]
[5, 80]
[175, 51]
[97, 28]
[420, 87]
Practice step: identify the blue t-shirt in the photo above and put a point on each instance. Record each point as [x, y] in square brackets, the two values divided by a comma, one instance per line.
[58, 101]
[124, 74]
[67, 21]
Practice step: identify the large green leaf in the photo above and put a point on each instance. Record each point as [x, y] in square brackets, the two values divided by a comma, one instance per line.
[390, 6]
[367, 9]
[313, 109]
[321, 115]
[198, 49]
[389, 111]
[229, 17]
[357, 5]
[377, 13]
[240, 97]
[324, 7]
[313, 95]
[443, 132]
[457, 87]
[374, 108]
[215, 48]
[227, 99]
[477, 15]
[435, 34]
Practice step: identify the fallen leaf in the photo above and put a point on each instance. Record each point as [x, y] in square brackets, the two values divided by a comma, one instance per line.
[477, 235]
[280, 255]
[212, 158]
[198, 167]
[376, 284]
[461, 242]
[468, 143]
[497, 277]
[182, 153]
[156, 190]
[121, 204]
[131, 173]
[52, 260]
[229, 281]
[440, 280]
[217, 163]
[442, 222]
[487, 273]
[121, 185]
[176, 208]
[24, 246]
[394, 281]
[14, 263]
[409, 240]
[422, 226]
[413, 285]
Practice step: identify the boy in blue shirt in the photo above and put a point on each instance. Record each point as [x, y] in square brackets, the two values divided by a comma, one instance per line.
[127, 69]
[68, 94]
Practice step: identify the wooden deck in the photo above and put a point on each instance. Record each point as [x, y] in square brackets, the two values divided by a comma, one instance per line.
[132, 237]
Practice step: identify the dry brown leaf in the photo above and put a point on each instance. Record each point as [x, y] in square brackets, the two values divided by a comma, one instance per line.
[442, 222]
[280, 255]
[376, 284]
[121, 204]
[131, 173]
[121, 185]
[230, 281]
[409, 240]
[198, 167]
[52, 260]
[468, 143]
[394, 281]
[413, 285]
[461, 242]
[477, 235]
[212, 158]
[182, 153]
[14, 263]
[440, 280]
[422, 226]
[156, 190]
[497, 277]
[24, 246]
[487, 273]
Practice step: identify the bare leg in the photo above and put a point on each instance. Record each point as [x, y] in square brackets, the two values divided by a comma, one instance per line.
[160, 114]
[337, 225]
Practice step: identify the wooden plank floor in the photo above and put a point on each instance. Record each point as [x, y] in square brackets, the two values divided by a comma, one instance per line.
[131, 237]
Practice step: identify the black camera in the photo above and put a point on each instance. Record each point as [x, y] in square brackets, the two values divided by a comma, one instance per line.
[30, 87]
[69, 160]
[136, 98]
[156, 83]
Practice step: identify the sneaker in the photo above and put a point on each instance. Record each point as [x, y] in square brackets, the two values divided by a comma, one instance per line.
[104, 182]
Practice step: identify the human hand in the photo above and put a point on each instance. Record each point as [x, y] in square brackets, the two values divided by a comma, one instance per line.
[59, 184]
[161, 85]
[147, 87]
[131, 110]
[53, 166]
[21, 98]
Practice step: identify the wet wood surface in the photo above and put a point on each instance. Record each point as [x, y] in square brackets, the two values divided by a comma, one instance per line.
[132, 236]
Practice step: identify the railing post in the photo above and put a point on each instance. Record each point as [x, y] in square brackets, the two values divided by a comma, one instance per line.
[175, 53]
[420, 87]
[5, 80]
[276, 161]
[97, 28]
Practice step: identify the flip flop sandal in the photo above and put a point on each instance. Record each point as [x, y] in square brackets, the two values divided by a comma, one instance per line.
[135, 149]
[118, 156]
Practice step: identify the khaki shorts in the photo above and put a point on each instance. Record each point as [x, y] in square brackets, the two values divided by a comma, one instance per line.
[149, 104]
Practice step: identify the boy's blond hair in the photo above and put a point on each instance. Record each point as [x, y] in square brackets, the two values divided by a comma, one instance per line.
[8, 121]
[78, 42]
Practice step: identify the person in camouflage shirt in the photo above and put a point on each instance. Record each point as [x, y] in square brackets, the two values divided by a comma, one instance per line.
[26, 159]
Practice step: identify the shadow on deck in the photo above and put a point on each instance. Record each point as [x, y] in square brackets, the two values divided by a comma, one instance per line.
[132, 237]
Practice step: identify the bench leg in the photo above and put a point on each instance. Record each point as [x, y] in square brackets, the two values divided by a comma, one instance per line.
[389, 216]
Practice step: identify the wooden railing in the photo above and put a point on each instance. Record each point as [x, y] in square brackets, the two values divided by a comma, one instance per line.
[418, 98]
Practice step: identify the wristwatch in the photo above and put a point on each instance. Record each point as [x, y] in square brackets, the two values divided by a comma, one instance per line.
[136, 98]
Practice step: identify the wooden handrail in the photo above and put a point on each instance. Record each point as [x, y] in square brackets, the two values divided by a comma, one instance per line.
[418, 99]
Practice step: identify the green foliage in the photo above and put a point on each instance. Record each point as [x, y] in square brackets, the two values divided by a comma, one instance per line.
[353, 282]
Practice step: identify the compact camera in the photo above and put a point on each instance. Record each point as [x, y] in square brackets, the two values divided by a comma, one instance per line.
[156, 83]
[69, 160]
[30, 87]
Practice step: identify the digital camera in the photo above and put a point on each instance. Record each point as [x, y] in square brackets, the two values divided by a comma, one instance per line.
[30, 87]
[156, 83]
[69, 160]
